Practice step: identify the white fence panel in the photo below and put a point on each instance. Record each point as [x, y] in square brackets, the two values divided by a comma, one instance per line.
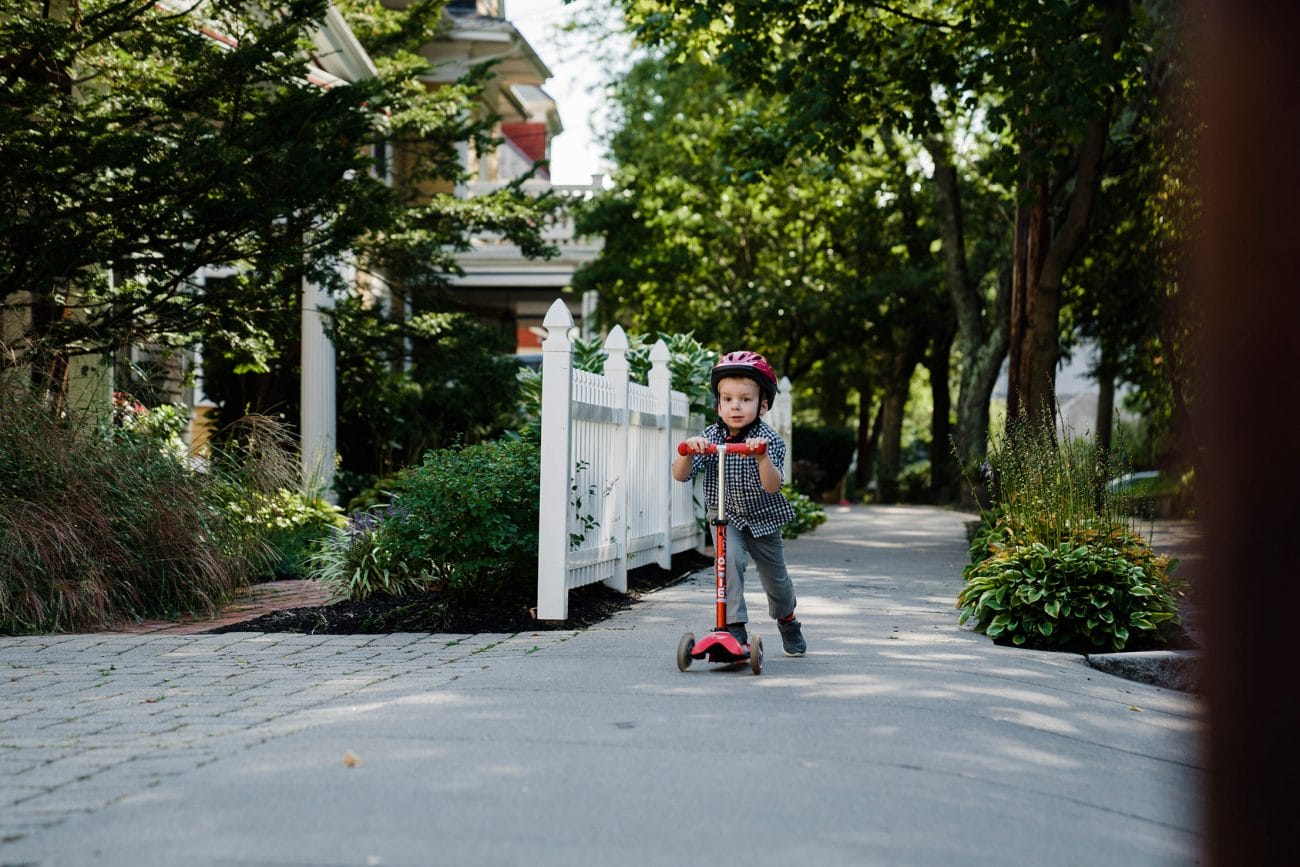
[781, 418]
[608, 501]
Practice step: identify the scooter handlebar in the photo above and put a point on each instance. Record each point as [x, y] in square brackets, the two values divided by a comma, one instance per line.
[730, 448]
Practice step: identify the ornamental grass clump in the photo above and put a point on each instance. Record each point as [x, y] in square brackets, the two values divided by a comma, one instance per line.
[1056, 563]
[1054, 485]
[101, 522]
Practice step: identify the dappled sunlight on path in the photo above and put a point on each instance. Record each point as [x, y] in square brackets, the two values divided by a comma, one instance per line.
[901, 738]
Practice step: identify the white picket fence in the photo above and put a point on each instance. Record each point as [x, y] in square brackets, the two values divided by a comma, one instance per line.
[608, 500]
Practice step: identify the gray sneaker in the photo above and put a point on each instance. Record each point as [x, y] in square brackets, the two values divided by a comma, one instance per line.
[792, 638]
[739, 632]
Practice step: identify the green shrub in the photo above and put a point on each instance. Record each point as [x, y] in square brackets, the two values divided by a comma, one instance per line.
[914, 482]
[360, 561]
[1098, 592]
[464, 520]
[1056, 563]
[689, 365]
[414, 381]
[989, 531]
[808, 516]
[163, 425]
[292, 524]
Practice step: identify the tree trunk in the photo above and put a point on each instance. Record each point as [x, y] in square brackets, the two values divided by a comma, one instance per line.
[1040, 254]
[867, 454]
[49, 361]
[943, 470]
[1035, 315]
[1105, 404]
[892, 407]
[982, 334]
[862, 473]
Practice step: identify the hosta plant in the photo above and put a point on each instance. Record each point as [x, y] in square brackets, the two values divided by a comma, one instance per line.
[808, 515]
[292, 523]
[1097, 592]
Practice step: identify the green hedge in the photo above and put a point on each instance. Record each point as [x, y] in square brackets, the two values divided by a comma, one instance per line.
[464, 520]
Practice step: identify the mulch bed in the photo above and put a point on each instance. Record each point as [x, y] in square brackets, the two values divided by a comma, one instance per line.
[433, 612]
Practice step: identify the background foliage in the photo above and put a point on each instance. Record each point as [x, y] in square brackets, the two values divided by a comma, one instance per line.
[1057, 563]
[957, 130]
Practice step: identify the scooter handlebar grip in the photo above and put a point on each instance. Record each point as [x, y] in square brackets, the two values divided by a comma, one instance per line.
[732, 448]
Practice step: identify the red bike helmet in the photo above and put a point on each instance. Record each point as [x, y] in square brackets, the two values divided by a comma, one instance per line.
[750, 365]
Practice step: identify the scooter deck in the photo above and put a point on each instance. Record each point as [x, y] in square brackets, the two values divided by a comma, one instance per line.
[720, 646]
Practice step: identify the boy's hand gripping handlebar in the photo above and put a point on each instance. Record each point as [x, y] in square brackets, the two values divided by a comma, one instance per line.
[729, 448]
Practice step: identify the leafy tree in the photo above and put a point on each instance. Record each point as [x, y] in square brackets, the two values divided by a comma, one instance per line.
[801, 263]
[137, 147]
[1048, 77]
[1125, 294]
[738, 263]
[411, 384]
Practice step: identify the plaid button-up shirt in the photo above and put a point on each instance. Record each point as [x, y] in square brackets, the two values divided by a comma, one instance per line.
[747, 505]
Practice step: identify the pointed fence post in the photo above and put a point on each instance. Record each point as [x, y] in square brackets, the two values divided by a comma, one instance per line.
[557, 463]
[615, 522]
[785, 424]
[661, 384]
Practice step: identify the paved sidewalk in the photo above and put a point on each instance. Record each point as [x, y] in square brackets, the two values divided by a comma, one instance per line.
[901, 739]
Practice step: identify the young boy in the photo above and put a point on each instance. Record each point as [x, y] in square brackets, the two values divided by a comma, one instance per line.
[744, 386]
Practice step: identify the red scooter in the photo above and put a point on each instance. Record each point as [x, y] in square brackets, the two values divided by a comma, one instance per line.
[720, 645]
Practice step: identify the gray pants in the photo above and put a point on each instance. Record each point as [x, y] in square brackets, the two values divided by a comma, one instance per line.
[768, 554]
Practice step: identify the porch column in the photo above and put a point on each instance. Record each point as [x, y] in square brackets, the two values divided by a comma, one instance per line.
[319, 409]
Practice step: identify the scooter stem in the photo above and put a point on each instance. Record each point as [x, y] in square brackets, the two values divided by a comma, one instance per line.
[720, 522]
[720, 542]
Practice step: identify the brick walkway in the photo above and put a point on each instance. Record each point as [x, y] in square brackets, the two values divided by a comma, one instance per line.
[257, 600]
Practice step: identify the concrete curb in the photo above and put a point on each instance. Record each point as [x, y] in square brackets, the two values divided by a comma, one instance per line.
[1171, 669]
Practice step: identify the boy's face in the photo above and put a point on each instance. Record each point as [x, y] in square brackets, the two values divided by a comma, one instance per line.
[739, 402]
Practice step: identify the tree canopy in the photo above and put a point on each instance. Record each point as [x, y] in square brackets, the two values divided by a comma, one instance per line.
[141, 141]
[1005, 125]
[1048, 79]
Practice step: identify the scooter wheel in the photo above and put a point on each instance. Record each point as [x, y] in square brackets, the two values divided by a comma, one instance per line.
[756, 654]
[684, 648]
